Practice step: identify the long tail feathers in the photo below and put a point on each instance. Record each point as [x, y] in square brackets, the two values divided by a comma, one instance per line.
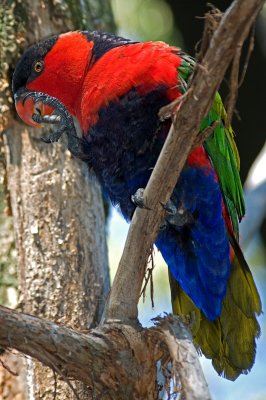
[230, 340]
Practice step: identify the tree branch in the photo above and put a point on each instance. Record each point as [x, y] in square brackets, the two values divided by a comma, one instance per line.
[103, 357]
[88, 358]
[236, 22]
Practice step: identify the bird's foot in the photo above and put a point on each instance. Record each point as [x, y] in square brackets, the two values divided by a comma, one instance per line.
[170, 208]
[174, 216]
[138, 199]
[61, 117]
[177, 216]
[53, 136]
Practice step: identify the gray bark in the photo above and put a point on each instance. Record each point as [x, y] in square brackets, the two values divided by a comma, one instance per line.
[57, 207]
[116, 361]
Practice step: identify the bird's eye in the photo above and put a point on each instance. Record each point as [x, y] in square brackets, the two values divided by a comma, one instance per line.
[38, 66]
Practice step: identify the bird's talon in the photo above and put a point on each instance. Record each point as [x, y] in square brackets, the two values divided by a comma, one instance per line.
[181, 217]
[163, 226]
[46, 139]
[74, 145]
[49, 139]
[170, 208]
[53, 136]
[138, 198]
[176, 216]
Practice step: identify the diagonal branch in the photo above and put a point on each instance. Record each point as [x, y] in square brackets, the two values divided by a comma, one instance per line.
[236, 22]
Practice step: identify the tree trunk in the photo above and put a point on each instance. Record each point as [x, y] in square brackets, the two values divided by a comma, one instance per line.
[57, 207]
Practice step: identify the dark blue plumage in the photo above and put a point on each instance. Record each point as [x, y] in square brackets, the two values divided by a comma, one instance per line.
[198, 254]
[133, 145]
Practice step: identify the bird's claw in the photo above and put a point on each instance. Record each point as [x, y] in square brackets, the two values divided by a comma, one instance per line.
[177, 216]
[174, 216]
[170, 208]
[53, 136]
[62, 117]
[138, 199]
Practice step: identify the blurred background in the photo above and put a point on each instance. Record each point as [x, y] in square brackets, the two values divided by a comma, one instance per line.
[180, 23]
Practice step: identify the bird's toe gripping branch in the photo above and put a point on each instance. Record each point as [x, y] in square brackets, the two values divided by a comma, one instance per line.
[177, 216]
[61, 117]
[174, 216]
[138, 199]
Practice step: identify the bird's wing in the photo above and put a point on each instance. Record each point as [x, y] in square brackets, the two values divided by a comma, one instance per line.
[221, 148]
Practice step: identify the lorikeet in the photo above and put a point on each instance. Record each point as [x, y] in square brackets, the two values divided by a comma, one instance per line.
[115, 88]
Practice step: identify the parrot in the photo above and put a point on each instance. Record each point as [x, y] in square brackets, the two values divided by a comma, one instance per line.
[115, 87]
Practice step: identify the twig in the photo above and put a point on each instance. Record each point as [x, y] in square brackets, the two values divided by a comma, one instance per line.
[147, 279]
[203, 135]
[170, 109]
[65, 378]
[235, 83]
[151, 280]
[212, 20]
[230, 103]
[250, 50]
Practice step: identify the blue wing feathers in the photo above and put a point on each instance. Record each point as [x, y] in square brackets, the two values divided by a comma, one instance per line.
[198, 254]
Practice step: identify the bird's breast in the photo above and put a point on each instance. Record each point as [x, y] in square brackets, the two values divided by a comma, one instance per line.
[124, 144]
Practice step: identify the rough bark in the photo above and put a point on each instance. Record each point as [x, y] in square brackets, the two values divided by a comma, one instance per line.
[12, 376]
[57, 207]
[115, 361]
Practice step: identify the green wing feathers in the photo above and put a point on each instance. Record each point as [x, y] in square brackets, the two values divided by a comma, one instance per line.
[221, 148]
[230, 340]
[223, 153]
